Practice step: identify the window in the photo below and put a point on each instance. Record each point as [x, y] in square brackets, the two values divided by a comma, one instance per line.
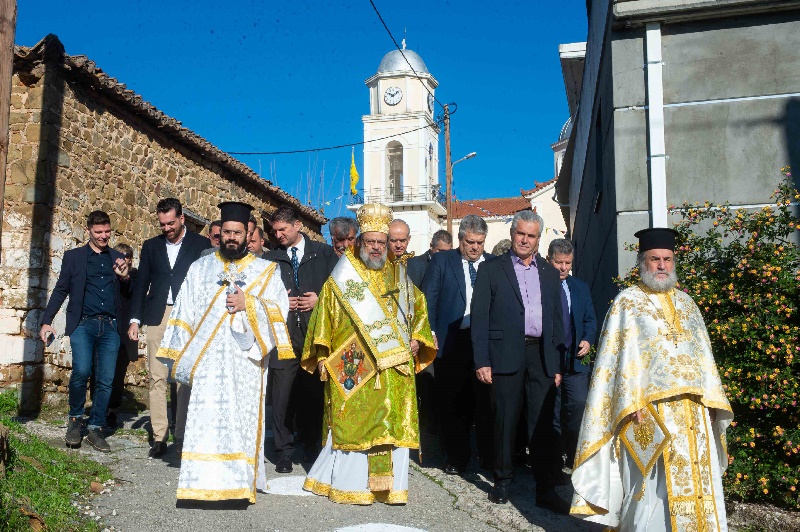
[394, 165]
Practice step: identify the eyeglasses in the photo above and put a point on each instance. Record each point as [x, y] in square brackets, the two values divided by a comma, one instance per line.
[231, 232]
[375, 243]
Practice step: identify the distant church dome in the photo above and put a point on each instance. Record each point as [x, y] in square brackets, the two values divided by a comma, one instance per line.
[566, 130]
[394, 62]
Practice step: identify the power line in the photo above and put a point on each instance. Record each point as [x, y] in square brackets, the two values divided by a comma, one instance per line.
[324, 149]
[404, 55]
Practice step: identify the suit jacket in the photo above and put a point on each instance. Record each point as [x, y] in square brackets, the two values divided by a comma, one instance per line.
[498, 317]
[582, 321]
[316, 266]
[72, 282]
[416, 267]
[445, 290]
[155, 276]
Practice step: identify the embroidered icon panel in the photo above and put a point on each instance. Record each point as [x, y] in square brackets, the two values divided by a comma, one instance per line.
[350, 367]
[645, 441]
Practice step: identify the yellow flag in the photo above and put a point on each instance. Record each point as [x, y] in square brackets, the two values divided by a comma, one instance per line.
[353, 174]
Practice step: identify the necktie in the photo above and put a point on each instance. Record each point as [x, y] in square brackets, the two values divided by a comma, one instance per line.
[473, 273]
[296, 269]
[565, 313]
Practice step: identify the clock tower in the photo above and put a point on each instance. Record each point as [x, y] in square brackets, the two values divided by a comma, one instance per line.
[401, 150]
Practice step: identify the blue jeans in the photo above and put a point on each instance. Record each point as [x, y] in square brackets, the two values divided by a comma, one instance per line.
[95, 342]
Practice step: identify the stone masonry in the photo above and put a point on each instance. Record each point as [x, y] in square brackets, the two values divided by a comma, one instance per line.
[80, 141]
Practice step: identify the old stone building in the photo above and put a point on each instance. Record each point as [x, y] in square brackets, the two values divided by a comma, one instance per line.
[80, 141]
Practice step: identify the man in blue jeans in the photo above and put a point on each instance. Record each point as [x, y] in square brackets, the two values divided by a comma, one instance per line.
[94, 277]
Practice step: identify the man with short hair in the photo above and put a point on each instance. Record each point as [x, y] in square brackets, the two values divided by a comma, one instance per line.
[440, 241]
[255, 244]
[580, 331]
[214, 233]
[343, 234]
[516, 333]
[94, 278]
[367, 337]
[297, 396]
[651, 451]
[228, 316]
[163, 263]
[399, 237]
[460, 398]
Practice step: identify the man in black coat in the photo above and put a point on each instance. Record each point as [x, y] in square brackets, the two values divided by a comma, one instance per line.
[517, 329]
[460, 398]
[94, 277]
[305, 266]
[163, 263]
[441, 241]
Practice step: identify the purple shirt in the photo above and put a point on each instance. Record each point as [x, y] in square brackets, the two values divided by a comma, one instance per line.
[529, 287]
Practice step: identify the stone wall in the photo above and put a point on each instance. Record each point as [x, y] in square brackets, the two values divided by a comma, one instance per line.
[72, 150]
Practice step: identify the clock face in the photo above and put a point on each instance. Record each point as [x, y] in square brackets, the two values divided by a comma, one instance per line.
[430, 102]
[392, 96]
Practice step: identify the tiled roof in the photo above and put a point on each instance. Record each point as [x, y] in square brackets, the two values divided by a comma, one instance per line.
[84, 69]
[537, 188]
[490, 207]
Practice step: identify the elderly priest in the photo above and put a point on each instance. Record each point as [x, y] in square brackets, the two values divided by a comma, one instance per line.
[368, 335]
[651, 450]
[229, 314]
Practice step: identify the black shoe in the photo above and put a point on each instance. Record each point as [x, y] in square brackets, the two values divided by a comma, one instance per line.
[74, 433]
[453, 470]
[499, 494]
[96, 440]
[284, 465]
[552, 501]
[158, 448]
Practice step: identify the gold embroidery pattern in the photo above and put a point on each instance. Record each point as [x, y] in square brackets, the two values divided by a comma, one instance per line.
[355, 289]
[351, 497]
[380, 324]
[180, 323]
[316, 487]
[643, 433]
[216, 495]
[210, 457]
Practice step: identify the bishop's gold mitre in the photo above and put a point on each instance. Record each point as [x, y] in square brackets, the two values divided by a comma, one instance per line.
[374, 217]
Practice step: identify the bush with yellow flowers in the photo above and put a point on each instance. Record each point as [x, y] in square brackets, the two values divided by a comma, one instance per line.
[742, 268]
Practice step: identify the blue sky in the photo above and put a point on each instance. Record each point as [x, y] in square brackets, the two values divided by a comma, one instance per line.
[276, 76]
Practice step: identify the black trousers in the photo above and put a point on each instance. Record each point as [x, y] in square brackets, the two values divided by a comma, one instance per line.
[297, 402]
[281, 381]
[568, 414]
[538, 392]
[425, 399]
[461, 400]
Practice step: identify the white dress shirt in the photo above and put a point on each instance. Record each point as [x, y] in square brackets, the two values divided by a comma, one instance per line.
[301, 249]
[172, 256]
[465, 265]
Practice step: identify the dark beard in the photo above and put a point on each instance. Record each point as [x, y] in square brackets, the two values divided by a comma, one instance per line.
[233, 254]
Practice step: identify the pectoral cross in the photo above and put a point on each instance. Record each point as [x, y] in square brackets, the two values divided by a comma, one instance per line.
[674, 334]
[231, 279]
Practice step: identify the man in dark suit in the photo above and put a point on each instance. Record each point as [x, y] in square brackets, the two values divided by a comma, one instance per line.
[441, 241]
[94, 277]
[580, 331]
[460, 399]
[516, 331]
[305, 266]
[163, 263]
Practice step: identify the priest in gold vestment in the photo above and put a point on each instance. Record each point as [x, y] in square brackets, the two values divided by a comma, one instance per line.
[368, 335]
[652, 449]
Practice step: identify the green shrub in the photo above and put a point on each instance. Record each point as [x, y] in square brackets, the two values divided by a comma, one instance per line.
[743, 271]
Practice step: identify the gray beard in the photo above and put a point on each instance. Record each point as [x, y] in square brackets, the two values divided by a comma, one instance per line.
[370, 263]
[650, 281]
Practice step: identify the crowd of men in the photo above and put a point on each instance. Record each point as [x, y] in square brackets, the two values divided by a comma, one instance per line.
[363, 344]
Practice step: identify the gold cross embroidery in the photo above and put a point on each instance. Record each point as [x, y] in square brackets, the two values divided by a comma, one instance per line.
[355, 289]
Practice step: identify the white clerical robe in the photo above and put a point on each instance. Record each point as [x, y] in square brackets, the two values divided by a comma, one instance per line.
[224, 358]
[663, 474]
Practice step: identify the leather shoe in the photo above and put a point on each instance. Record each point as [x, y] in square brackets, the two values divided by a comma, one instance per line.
[499, 494]
[158, 448]
[284, 465]
[552, 501]
[453, 470]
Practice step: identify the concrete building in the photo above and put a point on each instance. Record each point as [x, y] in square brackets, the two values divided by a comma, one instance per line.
[80, 141]
[675, 100]
[401, 150]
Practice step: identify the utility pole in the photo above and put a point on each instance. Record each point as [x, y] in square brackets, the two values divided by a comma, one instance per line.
[448, 170]
[8, 25]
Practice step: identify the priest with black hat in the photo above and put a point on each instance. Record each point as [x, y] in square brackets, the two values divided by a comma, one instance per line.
[651, 450]
[230, 313]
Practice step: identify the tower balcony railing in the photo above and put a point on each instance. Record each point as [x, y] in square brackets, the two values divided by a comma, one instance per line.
[410, 194]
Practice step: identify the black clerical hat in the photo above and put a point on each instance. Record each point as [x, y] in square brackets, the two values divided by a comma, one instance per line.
[656, 238]
[235, 211]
